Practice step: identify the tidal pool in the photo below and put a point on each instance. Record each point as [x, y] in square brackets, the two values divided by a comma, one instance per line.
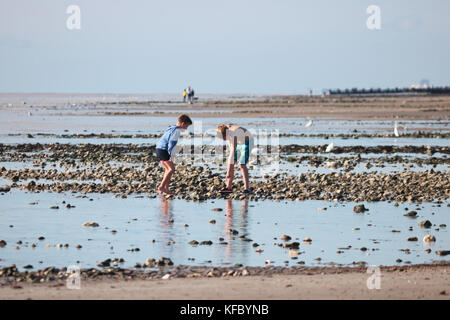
[157, 227]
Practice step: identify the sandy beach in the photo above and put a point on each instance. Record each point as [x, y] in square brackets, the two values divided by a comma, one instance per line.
[422, 283]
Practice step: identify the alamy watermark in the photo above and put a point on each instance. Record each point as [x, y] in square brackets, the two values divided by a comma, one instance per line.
[374, 20]
[260, 148]
[74, 279]
[374, 281]
[73, 22]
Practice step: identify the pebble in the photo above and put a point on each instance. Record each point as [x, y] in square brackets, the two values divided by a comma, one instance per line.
[285, 237]
[91, 224]
[411, 214]
[425, 224]
[360, 208]
[429, 238]
[293, 253]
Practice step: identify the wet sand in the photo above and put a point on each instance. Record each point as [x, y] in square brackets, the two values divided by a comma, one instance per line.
[415, 282]
[333, 107]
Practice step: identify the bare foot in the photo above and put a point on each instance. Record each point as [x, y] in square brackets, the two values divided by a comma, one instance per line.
[161, 189]
[167, 191]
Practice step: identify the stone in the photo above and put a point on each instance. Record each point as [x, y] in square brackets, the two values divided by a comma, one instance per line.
[425, 224]
[360, 208]
[90, 224]
[411, 214]
[285, 237]
[293, 253]
[412, 239]
[429, 238]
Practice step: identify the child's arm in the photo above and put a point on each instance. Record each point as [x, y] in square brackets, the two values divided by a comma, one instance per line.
[173, 141]
[232, 147]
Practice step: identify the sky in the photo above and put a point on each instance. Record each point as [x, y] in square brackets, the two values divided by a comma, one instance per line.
[233, 46]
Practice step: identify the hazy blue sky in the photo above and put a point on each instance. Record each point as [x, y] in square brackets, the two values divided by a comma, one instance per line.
[233, 46]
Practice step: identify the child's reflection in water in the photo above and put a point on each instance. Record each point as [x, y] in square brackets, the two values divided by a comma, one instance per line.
[239, 224]
[166, 231]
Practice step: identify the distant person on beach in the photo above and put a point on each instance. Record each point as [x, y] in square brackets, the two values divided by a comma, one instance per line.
[190, 94]
[165, 147]
[240, 144]
[184, 95]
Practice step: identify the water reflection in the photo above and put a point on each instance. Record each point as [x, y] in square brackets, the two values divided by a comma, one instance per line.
[166, 232]
[236, 250]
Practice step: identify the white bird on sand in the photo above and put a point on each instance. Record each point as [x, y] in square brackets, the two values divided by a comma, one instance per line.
[309, 124]
[396, 129]
[330, 147]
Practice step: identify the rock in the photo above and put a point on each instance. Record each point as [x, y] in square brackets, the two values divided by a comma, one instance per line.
[166, 277]
[207, 243]
[285, 237]
[293, 245]
[363, 249]
[411, 214]
[90, 224]
[150, 262]
[293, 253]
[212, 221]
[443, 252]
[429, 238]
[41, 238]
[425, 224]
[217, 209]
[193, 242]
[2, 243]
[412, 239]
[307, 239]
[105, 263]
[331, 165]
[28, 266]
[54, 207]
[360, 208]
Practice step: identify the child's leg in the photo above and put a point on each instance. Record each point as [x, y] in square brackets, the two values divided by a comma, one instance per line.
[244, 170]
[230, 176]
[170, 169]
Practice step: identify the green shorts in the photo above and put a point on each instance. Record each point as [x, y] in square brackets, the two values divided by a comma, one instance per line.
[242, 153]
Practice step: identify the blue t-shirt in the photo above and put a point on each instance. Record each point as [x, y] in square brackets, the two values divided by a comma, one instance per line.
[169, 139]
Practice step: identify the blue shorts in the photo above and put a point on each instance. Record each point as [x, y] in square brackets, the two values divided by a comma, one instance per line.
[162, 154]
[242, 153]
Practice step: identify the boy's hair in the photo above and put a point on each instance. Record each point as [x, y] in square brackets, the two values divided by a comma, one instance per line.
[223, 130]
[185, 119]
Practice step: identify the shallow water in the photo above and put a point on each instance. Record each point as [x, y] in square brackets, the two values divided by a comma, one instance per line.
[261, 221]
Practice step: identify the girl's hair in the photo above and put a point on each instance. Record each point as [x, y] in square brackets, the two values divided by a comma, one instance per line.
[184, 118]
[223, 130]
